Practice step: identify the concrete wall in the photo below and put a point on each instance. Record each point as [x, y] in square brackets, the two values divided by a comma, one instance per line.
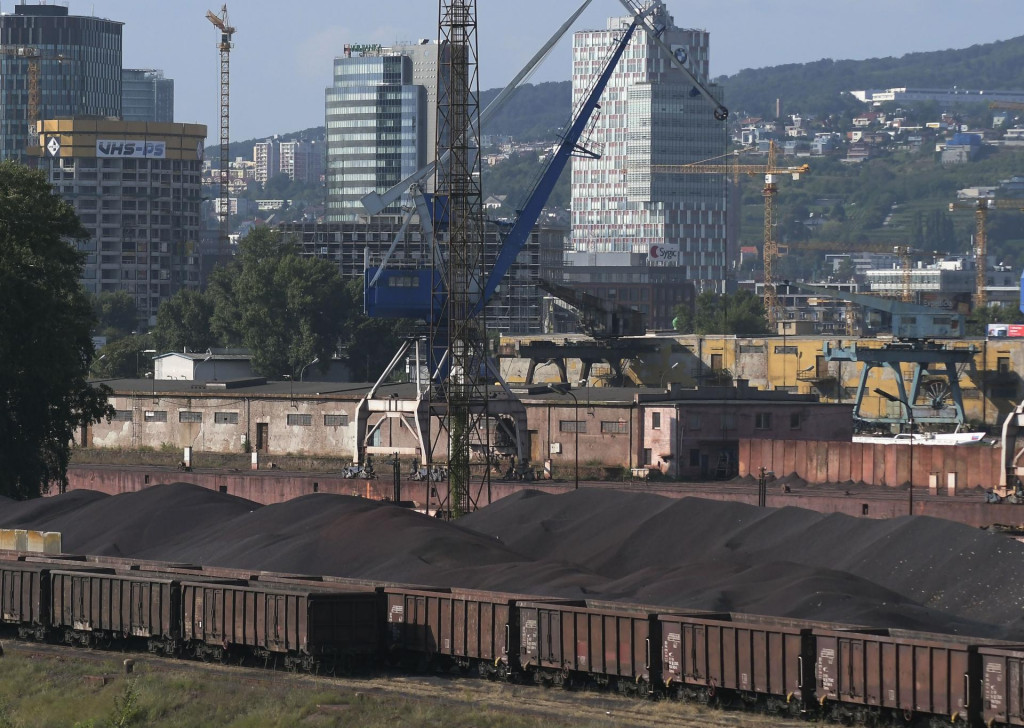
[872, 463]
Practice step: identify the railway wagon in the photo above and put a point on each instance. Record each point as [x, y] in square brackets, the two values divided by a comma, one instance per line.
[99, 607]
[722, 658]
[466, 628]
[605, 643]
[1001, 674]
[302, 627]
[25, 598]
[866, 674]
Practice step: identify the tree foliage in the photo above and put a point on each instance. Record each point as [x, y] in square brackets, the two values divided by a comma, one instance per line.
[115, 314]
[741, 313]
[285, 309]
[46, 321]
[124, 358]
[183, 322]
[977, 324]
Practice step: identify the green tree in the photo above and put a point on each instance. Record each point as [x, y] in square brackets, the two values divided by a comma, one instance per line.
[124, 358]
[184, 322]
[741, 313]
[977, 324]
[46, 321]
[115, 314]
[285, 309]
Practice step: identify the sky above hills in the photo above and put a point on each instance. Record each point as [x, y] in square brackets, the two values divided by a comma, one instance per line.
[282, 60]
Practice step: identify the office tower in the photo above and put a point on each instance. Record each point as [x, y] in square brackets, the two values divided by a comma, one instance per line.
[146, 95]
[377, 118]
[136, 188]
[78, 62]
[622, 215]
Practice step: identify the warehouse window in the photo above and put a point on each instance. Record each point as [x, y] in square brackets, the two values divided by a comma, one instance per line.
[122, 415]
[694, 458]
[572, 426]
[225, 418]
[335, 420]
[186, 416]
[156, 416]
[785, 350]
[614, 428]
[655, 420]
[300, 420]
[763, 420]
[794, 421]
[728, 420]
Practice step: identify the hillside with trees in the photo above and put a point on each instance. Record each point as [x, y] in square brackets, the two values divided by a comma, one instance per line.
[818, 87]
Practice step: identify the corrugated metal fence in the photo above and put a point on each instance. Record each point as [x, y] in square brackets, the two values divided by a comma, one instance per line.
[871, 463]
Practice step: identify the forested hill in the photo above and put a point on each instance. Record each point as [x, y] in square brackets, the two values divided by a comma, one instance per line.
[815, 88]
[538, 111]
[535, 111]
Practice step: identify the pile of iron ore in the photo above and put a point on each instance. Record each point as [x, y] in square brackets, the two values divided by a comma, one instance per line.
[910, 572]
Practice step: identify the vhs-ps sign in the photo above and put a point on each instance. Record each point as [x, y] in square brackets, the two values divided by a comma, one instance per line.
[123, 148]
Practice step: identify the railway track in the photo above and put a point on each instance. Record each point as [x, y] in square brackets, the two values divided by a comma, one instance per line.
[545, 705]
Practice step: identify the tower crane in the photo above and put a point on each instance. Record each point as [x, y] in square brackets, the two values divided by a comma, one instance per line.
[771, 174]
[227, 33]
[981, 208]
[34, 56]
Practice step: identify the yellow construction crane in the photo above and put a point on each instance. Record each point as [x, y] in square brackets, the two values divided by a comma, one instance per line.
[771, 174]
[33, 56]
[981, 207]
[227, 32]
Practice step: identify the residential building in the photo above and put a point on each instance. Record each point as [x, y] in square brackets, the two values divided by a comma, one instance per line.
[79, 65]
[945, 96]
[633, 219]
[379, 119]
[265, 157]
[146, 95]
[136, 188]
[301, 160]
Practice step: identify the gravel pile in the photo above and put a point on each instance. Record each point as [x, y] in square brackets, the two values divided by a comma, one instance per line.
[911, 573]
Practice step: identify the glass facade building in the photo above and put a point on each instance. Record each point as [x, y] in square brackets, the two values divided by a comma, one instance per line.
[79, 70]
[146, 95]
[376, 119]
[650, 114]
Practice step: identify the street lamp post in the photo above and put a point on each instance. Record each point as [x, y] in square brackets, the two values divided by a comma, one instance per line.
[666, 373]
[575, 430]
[302, 371]
[910, 423]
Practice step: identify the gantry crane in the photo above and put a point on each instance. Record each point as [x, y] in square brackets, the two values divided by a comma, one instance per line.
[227, 33]
[771, 174]
[981, 208]
[903, 251]
[34, 56]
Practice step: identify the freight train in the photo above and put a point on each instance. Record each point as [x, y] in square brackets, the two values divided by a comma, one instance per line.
[787, 666]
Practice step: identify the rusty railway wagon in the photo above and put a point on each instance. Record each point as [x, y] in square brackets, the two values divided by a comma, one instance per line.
[833, 671]
[291, 624]
[464, 628]
[589, 642]
[732, 660]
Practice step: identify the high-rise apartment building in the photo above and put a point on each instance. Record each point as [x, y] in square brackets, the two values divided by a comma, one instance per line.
[301, 160]
[264, 154]
[146, 95]
[79, 70]
[622, 215]
[136, 188]
[379, 120]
